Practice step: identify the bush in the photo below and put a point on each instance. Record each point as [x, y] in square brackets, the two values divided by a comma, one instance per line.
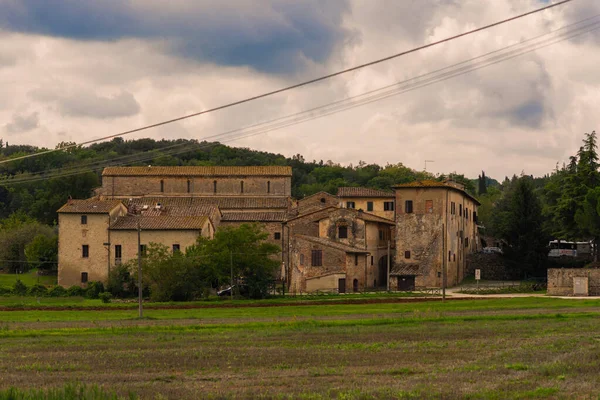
[38, 290]
[57, 291]
[19, 288]
[120, 282]
[4, 291]
[94, 289]
[75, 291]
[105, 297]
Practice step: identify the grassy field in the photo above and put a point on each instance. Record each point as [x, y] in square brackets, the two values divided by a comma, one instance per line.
[29, 278]
[475, 349]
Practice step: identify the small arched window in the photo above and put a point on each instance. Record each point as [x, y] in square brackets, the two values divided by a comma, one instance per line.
[214, 186]
[241, 186]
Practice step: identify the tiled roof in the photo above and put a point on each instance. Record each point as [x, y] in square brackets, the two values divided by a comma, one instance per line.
[372, 217]
[332, 244]
[278, 216]
[159, 223]
[89, 206]
[435, 184]
[322, 193]
[405, 269]
[322, 213]
[363, 192]
[233, 202]
[198, 171]
[175, 207]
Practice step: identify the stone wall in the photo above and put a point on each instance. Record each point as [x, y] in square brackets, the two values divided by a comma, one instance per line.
[560, 280]
[202, 186]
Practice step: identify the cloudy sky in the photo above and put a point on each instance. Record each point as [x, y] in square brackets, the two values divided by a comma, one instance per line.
[74, 70]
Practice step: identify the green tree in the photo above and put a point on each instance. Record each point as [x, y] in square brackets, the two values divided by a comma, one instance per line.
[519, 224]
[588, 217]
[42, 252]
[482, 184]
[242, 251]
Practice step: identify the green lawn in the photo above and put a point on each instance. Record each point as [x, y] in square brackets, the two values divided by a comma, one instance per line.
[29, 278]
[486, 349]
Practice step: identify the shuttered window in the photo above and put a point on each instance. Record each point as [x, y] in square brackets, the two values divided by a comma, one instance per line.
[316, 258]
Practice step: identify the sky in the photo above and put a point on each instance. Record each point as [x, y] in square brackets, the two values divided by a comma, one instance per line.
[75, 70]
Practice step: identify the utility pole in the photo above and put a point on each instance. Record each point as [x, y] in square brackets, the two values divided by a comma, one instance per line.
[139, 235]
[427, 161]
[231, 271]
[444, 263]
[388, 265]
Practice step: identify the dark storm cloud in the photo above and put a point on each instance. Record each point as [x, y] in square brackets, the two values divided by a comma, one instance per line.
[273, 36]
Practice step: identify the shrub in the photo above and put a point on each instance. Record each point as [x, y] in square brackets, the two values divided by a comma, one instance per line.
[75, 291]
[38, 290]
[5, 291]
[94, 289]
[57, 291]
[120, 282]
[19, 288]
[105, 297]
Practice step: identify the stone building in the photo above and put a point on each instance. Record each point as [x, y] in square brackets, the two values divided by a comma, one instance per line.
[436, 228]
[338, 249]
[378, 202]
[574, 282]
[174, 206]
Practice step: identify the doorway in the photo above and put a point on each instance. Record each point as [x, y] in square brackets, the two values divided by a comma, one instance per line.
[342, 285]
[382, 271]
[355, 285]
[406, 283]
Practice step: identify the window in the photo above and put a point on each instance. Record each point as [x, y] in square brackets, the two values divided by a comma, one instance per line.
[118, 254]
[460, 210]
[429, 206]
[316, 258]
[388, 206]
[356, 259]
[466, 213]
[369, 206]
[408, 207]
[407, 254]
[277, 235]
[323, 200]
[466, 242]
[143, 249]
[242, 187]
[474, 217]
[215, 187]
[189, 186]
[343, 232]
[84, 277]
[301, 259]
[350, 204]
[449, 255]
[162, 186]
[371, 260]
[268, 186]
[454, 256]
[85, 251]
[176, 248]
[380, 234]
[84, 220]
[453, 208]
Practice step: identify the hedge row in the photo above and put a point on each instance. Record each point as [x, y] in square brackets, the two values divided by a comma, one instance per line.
[94, 290]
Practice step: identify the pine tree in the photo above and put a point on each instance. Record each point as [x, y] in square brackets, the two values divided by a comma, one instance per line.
[482, 183]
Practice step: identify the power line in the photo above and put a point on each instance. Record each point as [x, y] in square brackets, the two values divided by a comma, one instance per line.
[298, 85]
[344, 104]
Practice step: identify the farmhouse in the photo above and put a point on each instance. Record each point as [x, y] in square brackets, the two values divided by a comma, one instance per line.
[351, 241]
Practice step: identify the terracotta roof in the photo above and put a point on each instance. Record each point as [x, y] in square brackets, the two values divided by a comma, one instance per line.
[322, 213]
[175, 207]
[405, 269]
[322, 193]
[223, 202]
[89, 206]
[159, 223]
[198, 171]
[332, 244]
[435, 184]
[362, 192]
[267, 216]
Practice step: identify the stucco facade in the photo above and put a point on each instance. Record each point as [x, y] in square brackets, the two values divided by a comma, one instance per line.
[436, 228]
